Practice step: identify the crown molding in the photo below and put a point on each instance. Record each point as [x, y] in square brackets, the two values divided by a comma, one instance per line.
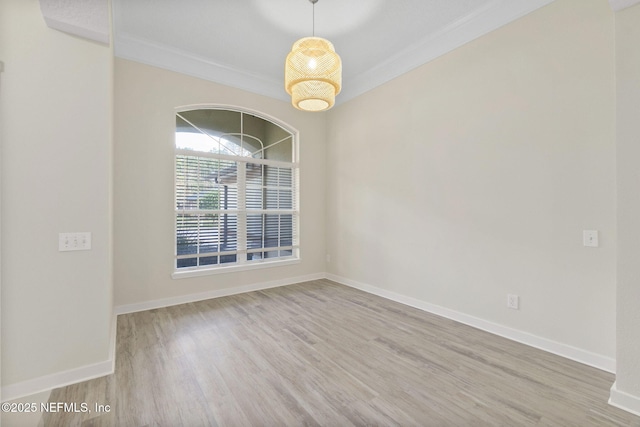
[161, 56]
[88, 19]
[495, 15]
[618, 5]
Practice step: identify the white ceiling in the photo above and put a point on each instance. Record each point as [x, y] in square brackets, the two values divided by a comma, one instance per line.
[244, 43]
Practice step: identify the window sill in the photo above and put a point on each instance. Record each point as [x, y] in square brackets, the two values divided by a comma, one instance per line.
[255, 265]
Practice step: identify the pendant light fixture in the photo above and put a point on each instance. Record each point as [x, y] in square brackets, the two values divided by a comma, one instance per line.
[313, 72]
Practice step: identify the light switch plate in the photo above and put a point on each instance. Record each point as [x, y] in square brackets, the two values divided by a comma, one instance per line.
[74, 241]
[590, 238]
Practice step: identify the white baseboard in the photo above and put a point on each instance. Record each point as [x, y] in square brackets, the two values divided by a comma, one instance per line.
[619, 399]
[84, 373]
[624, 401]
[579, 355]
[183, 299]
[59, 379]
[72, 376]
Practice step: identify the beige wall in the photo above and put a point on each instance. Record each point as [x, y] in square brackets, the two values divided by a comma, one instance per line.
[55, 105]
[145, 102]
[628, 175]
[473, 177]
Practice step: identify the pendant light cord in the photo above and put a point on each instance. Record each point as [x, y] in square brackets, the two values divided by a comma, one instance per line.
[313, 15]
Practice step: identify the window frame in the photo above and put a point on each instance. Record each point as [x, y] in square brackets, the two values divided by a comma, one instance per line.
[241, 263]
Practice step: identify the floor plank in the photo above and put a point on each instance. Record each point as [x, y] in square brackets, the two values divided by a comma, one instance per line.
[322, 354]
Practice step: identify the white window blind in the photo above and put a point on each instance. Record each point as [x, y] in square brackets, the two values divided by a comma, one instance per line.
[236, 193]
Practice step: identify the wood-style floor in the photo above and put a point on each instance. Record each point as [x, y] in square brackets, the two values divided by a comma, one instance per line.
[319, 353]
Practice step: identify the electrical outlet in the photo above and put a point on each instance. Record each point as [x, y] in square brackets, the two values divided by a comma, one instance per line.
[513, 301]
[74, 241]
[328, 258]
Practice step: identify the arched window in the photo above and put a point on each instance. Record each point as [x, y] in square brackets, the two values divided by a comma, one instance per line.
[236, 191]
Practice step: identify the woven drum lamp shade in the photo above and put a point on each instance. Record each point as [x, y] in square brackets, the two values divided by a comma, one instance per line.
[313, 74]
